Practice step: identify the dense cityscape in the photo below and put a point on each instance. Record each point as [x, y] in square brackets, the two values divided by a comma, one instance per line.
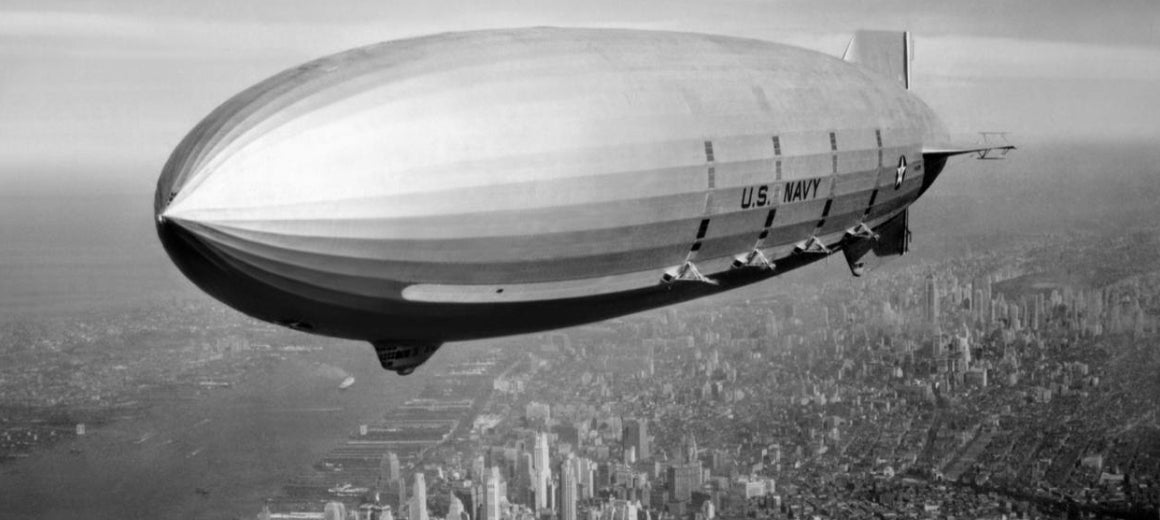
[996, 385]
[60, 376]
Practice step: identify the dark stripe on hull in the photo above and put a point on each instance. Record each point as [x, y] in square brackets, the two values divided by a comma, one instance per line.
[736, 236]
[370, 318]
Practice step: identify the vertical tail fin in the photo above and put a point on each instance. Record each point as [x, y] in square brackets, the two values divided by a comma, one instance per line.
[884, 52]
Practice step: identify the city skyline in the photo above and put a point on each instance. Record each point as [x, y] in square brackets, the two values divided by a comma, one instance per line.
[752, 405]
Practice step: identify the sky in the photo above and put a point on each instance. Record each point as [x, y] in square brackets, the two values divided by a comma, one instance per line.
[97, 93]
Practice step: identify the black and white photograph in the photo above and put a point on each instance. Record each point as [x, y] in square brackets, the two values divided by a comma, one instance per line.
[605, 260]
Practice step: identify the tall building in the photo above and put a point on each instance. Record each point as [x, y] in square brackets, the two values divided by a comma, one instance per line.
[553, 489]
[689, 449]
[708, 510]
[684, 479]
[543, 472]
[525, 475]
[931, 303]
[636, 436]
[988, 301]
[334, 511]
[977, 305]
[401, 486]
[963, 348]
[622, 510]
[771, 328]
[419, 498]
[478, 468]
[585, 477]
[491, 495]
[389, 468]
[568, 489]
[1013, 321]
[455, 508]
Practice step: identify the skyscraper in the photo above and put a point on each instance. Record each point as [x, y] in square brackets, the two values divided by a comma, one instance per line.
[388, 468]
[419, 498]
[684, 479]
[636, 436]
[455, 508]
[334, 511]
[401, 486]
[543, 472]
[771, 328]
[526, 480]
[689, 449]
[553, 490]
[623, 510]
[586, 478]
[568, 489]
[963, 348]
[491, 495]
[1013, 321]
[478, 468]
[708, 510]
[931, 307]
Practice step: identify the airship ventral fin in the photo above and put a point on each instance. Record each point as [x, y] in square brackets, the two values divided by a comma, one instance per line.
[886, 52]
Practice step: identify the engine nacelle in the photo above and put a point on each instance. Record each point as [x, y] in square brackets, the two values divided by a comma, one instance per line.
[891, 239]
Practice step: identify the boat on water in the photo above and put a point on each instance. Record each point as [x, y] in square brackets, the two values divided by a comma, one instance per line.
[347, 489]
[346, 383]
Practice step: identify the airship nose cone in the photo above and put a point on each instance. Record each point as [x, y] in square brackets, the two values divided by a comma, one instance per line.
[192, 249]
[185, 249]
[163, 196]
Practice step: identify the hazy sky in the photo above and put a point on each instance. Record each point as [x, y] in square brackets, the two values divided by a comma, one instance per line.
[103, 90]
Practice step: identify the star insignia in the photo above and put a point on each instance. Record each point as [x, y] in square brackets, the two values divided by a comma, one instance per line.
[900, 172]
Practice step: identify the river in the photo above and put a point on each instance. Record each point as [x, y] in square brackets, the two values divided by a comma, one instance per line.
[237, 444]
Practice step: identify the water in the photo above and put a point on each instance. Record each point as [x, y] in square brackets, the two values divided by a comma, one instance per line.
[239, 443]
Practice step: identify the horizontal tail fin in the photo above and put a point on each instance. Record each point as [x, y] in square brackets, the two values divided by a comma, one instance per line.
[993, 146]
[884, 52]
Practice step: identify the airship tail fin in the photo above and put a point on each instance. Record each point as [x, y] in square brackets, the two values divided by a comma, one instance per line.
[885, 52]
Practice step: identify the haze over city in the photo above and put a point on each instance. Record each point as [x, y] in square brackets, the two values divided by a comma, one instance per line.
[1045, 262]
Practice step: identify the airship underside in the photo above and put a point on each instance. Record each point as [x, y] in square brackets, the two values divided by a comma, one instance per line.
[479, 184]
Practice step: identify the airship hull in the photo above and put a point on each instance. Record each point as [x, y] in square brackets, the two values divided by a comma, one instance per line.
[479, 184]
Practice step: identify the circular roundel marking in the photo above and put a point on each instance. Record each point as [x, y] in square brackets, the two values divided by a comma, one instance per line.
[900, 172]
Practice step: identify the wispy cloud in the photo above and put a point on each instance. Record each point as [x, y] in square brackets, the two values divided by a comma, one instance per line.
[979, 57]
[107, 82]
[67, 24]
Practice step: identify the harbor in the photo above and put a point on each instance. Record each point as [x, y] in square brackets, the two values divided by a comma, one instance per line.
[358, 470]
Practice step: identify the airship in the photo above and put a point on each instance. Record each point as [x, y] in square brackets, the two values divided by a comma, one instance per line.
[480, 184]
